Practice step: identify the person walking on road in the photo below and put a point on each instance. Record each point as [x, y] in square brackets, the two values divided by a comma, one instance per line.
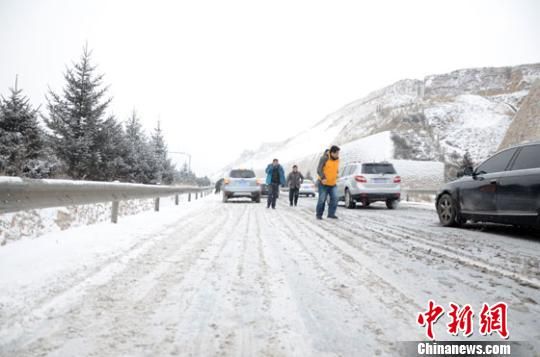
[294, 181]
[219, 183]
[327, 170]
[275, 177]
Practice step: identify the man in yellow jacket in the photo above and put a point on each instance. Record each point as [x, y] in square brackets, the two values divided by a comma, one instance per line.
[328, 174]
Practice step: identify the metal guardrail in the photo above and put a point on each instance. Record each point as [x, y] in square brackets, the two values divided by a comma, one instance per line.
[17, 194]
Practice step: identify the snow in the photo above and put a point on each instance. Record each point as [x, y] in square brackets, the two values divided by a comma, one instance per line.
[208, 278]
[33, 268]
[309, 142]
[34, 223]
[470, 123]
[377, 147]
[18, 180]
[425, 175]
[9, 179]
[420, 175]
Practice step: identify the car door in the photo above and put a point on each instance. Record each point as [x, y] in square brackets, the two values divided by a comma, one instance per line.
[518, 193]
[478, 193]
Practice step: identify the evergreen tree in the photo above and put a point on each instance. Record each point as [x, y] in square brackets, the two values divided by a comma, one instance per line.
[21, 138]
[138, 156]
[203, 181]
[114, 151]
[161, 166]
[76, 119]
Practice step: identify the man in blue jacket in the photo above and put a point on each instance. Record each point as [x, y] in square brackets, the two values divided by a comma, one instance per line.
[275, 177]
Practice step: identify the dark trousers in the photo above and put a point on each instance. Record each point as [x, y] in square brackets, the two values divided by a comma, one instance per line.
[273, 193]
[293, 195]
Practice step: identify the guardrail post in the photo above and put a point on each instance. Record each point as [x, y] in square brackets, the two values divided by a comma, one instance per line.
[176, 199]
[156, 204]
[114, 211]
[196, 195]
[189, 197]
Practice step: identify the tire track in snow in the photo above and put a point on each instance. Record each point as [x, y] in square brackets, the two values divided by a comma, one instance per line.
[451, 242]
[108, 302]
[333, 314]
[386, 233]
[40, 302]
[348, 266]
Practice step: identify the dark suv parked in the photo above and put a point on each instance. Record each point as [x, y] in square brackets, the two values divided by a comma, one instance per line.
[503, 189]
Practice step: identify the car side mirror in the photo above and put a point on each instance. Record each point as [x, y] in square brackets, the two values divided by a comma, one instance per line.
[477, 173]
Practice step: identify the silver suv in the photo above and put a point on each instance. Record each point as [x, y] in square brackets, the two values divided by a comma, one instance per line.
[241, 183]
[369, 182]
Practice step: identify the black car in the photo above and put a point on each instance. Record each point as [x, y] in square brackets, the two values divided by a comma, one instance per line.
[503, 189]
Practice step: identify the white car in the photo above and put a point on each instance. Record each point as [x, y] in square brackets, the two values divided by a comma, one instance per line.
[241, 183]
[307, 188]
[369, 182]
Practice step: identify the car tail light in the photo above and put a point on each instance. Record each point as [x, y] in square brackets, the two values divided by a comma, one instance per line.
[360, 179]
[397, 179]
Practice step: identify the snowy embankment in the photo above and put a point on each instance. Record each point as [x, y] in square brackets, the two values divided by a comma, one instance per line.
[208, 278]
[34, 223]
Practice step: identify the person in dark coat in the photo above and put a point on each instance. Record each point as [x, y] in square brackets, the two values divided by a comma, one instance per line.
[219, 183]
[294, 181]
[275, 177]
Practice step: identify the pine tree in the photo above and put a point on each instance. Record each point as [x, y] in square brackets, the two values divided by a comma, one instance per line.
[138, 156]
[186, 176]
[161, 166]
[113, 151]
[21, 138]
[76, 119]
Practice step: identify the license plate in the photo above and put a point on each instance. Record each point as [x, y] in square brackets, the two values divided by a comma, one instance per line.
[380, 180]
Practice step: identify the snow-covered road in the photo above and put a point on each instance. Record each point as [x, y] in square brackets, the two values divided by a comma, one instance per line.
[208, 278]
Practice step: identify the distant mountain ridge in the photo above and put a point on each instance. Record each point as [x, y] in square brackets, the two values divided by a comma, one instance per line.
[438, 118]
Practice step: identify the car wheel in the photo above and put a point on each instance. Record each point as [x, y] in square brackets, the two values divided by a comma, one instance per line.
[392, 204]
[349, 202]
[256, 199]
[448, 211]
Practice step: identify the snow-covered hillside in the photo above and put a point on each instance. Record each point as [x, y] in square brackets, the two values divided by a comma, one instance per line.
[438, 118]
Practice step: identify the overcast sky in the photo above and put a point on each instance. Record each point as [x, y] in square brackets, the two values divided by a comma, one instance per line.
[224, 76]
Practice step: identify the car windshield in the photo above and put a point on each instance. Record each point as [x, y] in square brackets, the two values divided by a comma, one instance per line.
[242, 174]
[378, 169]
